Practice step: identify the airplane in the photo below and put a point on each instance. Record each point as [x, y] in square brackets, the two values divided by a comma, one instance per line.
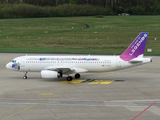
[57, 66]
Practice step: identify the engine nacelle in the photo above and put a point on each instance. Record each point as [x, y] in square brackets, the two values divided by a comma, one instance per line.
[50, 74]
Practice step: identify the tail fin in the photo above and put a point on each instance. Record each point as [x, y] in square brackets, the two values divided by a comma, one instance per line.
[136, 48]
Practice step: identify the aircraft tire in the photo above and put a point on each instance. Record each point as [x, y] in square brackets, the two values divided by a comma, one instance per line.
[77, 75]
[69, 78]
[25, 77]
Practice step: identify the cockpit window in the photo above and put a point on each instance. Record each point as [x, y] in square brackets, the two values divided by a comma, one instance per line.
[13, 61]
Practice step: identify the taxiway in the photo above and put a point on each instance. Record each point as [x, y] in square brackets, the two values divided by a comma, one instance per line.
[130, 94]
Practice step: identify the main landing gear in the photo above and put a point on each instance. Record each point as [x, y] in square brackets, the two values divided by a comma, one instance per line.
[77, 75]
[25, 75]
[60, 74]
[69, 78]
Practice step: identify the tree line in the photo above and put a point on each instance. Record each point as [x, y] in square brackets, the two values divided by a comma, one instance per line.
[51, 8]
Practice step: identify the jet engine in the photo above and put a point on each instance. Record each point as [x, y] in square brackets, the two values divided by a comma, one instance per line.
[50, 74]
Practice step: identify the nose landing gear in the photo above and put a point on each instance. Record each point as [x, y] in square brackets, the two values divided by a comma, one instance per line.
[25, 75]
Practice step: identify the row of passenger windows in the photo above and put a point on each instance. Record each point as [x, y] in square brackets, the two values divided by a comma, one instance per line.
[65, 62]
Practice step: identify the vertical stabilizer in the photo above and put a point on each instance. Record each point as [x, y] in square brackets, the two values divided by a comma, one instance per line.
[136, 48]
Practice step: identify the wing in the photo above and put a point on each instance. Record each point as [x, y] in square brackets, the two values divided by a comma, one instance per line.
[66, 69]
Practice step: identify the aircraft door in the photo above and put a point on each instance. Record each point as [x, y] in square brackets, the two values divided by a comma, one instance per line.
[22, 62]
[59, 63]
[118, 62]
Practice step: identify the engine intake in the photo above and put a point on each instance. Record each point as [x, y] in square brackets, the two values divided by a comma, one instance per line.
[50, 74]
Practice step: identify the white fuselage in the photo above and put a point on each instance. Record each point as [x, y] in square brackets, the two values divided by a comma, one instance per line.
[90, 63]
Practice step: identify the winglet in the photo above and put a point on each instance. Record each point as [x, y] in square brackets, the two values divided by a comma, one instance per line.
[136, 48]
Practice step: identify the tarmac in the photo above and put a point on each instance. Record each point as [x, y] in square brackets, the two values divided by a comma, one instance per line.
[129, 94]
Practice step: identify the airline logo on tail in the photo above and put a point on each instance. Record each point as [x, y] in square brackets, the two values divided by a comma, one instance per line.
[136, 48]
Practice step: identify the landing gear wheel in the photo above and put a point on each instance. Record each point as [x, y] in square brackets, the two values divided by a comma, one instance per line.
[25, 77]
[69, 78]
[77, 75]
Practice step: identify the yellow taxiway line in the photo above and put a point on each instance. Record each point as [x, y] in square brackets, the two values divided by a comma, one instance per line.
[94, 82]
[29, 107]
[72, 82]
[103, 82]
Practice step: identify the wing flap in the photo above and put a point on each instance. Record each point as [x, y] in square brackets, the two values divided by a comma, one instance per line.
[79, 70]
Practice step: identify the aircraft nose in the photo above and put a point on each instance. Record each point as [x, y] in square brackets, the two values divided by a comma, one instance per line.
[8, 65]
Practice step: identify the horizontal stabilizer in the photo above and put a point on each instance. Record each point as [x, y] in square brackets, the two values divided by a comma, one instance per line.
[140, 60]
